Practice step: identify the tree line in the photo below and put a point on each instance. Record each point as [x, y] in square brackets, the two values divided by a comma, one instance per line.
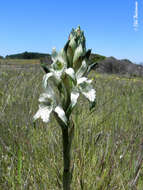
[27, 55]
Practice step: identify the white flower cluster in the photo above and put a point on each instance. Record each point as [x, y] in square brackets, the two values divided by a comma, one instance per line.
[66, 79]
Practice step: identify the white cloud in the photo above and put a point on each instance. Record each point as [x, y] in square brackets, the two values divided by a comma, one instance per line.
[135, 17]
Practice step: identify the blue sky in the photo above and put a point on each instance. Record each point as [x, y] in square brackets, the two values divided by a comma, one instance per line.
[40, 25]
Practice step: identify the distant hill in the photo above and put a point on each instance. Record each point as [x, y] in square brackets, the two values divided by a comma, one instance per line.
[28, 55]
[112, 65]
[104, 64]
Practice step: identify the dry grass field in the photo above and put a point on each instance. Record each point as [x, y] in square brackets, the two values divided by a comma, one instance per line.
[108, 142]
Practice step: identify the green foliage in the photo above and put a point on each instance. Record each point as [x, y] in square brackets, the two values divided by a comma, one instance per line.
[106, 145]
[19, 165]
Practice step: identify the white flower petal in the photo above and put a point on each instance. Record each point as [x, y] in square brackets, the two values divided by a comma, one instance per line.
[89, 93]
[58, 67]
[74, 97]
[62, 60]
[82, 80]
[43, 113]
[45, 79]
[82, 69]
[85, 87]
[61, 114]
[58, 74]
[70, 72]
[54, 54]
[78, 53]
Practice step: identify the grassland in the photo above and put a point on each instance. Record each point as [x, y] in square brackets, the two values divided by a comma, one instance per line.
[108, 142]
[19, 61]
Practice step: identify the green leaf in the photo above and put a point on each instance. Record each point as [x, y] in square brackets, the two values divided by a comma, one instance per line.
[45, 68]
[90, 67]
[87, 54]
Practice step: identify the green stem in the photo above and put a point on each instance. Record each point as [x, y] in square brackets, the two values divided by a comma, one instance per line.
[66, 160]
[67, 140]
[67, 136]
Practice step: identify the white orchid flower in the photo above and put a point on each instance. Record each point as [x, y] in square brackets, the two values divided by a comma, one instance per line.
[57, 75]
[48, 104]
[83, 86]
[59, 64]
[58, 68]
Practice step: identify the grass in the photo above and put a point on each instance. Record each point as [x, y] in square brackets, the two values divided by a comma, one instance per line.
[107, 146]
[21, 61]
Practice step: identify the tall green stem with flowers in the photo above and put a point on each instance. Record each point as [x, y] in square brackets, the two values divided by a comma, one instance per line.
[65, 79]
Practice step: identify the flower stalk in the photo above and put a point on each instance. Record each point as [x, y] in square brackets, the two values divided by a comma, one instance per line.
[67, 172]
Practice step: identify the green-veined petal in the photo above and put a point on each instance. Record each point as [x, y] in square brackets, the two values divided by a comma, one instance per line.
[82, 80]
[59, 64]
[47, 96]
[57, 75]
[70, 54]
[89, 92]
[44, 97]
[78, 52]
[73, 44]
[81, 71]
[85, 87]
[62, 54]
[54, 54]
[61, 114]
